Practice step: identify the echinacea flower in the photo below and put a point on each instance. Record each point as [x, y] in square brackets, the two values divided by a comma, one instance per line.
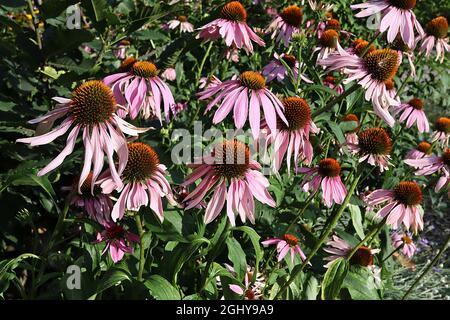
[396, 17]
[351, 136]
[245, 96]
[404, 241]
[340, 248]
[118, 241]
[169, 74]
[359, 47]
[287, 244]
[374, 146]
[432, 164]
[276, 69]
[436, 36]
[252, 288]
[209, 82]
[403, 49]
[330, 82]
[293, 139]
[371, 72]
[92, 109]
[333, 24]
[232, 27]
[286, 23]
[390, 90]
[328, 44]
[327, 176]
[140, 87]
[234, 177]
[403, 205]
[121, 49]
[232, 54]
[441, 131]
[412, 112]
[422, 150]
[145, 183]
[182, 23]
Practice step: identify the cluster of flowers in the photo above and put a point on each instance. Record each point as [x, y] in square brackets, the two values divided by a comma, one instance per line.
[228, 173]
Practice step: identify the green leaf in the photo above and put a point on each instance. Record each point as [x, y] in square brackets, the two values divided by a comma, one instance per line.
[161, 289]
[347, 126]
[355, 213]
[112, 278]
[334, 278]
[255, 239]
[311, 290]
[361, 284]
[337, 132]
[237, 256]
[100, 7]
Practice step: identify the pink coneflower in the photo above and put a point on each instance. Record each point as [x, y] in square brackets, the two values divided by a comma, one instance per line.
[422, 150]
[287, 244]
[91, 109]
[413, 112]
[121, 49]
[235, 178]
[403, 49]
[181, 193]
[145, 183]
[371, 72]
[232, 27]
[210, 82]
[169, 74]
[404, 241]
[286, 23]
[374, 146]
[232, 54]
[340, 248]
[293, 138]
[327, 175]
[391, 92]
[140, 87]
[403, 205]
[276, 70]
[396, 17]
[359, 47]
[333, 24]
[436, 35]
[442, 131]
[328, 44]
[330, 82]
[181, 21]
[352, 136]
[432, 164]
[251, 290]
[118, 240]
[179, 107]
[245, 96]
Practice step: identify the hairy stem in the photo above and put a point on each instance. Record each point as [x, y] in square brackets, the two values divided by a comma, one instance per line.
[141, 246]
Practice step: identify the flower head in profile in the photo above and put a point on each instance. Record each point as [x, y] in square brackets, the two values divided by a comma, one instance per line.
[412, 112]
[182, 23]
[234, 178]
[403, 205]
[374, 146]
[245, 96]
[327, 176]
[286, 244]
[396, 17]
[252, 289]
[441, 131]
[292, 139]
[338, 248]
[118, 241]
[404, 50]
[405, 242]
[92, 110]
[431, 164]
[371, 72]
[328, 44]
[422, 150]
[332, 24]
[169, 74]
[121, 49]
[139, 86]
[277, 70]
[232, 27]
[145, 183]
[330, 82]
[285, 24]
[436, 37]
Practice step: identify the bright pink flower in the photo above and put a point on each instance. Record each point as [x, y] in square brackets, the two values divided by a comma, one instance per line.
[287, 244]
[409, 248]
[436, 36]
[340, 248]
[422, 150]
[91, 109]
[245, 96]
[140, 87]
[292, 139]
[413, 112]
[145, 183]
[374, 146]
[396, 17]
[371, 72]
[403, 205]
[181, 21]
[432, 164]
[232, 27]
[169, 74]
[327, 176]
[118, 240]
[276, 69]
[235, 178]
[441, 131]
[286, 23]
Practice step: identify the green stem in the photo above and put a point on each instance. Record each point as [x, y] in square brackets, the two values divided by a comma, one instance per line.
[202, 64]
[392, 253]
[323, 237]
[141, 246]
[35, 20]
[336, 100]
[371, 234]
[428, 268]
